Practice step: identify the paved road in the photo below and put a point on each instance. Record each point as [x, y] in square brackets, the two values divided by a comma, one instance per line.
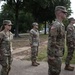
[24, 68]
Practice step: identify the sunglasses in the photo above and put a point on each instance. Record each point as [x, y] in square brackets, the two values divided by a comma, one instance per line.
[9, 25]
[64, 12]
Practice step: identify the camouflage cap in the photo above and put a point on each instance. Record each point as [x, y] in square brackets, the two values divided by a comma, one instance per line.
[7, 22]
[71, 19]
[60, 8]
[34, 23]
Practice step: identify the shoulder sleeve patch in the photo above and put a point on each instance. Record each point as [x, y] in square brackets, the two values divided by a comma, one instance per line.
[53, 31]
[70, 28]
[52, 27]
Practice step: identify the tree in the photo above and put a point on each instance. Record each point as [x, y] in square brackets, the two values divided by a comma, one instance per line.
[25, 19]
[15, 6]
[42, 10]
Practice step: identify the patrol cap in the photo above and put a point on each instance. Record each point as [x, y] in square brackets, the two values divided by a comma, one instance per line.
[34, 24]
[7, 22]
[60, 8]
[71, 19]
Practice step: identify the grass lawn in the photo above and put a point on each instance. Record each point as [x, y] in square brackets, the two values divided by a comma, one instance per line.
[64, 57]
[42, 56]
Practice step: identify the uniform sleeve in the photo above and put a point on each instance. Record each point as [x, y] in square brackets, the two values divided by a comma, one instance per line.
[31, 37]
[11, 46]
[1, 37]
[51, 40]
[49, 50]
[53, 33]
[70, 34]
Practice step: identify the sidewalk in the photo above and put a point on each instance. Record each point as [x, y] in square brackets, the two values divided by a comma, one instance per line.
[24, 68]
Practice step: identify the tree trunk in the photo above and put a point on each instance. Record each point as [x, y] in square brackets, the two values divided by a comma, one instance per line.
[45, 28]
[16, 19]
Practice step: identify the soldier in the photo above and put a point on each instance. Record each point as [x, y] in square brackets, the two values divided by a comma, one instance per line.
[5, 47]
[34, 43]
[56, 41]
[70, 37]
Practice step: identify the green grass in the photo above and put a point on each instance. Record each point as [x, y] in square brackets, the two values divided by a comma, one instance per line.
[64, 57]
[43, 55]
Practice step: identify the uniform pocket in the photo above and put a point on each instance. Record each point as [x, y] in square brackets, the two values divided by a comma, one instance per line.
[58, 53]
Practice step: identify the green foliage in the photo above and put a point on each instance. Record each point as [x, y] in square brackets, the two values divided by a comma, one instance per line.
[43, 10]
[25, 20]
[66, 23]
[42, 55]
[65, 55]
[33, 10]
[41, 26]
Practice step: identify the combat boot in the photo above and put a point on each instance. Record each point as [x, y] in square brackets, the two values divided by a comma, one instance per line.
[34, 64]
[69, 68]
[37, 63]
[72, 67]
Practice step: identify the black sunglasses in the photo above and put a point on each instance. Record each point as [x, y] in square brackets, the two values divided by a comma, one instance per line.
[64, 12]
[9, 25]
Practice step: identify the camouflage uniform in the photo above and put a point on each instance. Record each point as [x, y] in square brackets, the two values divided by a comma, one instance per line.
[56, 41]
[34, 41]
[55, 48]
[5, 51]
[70, 37]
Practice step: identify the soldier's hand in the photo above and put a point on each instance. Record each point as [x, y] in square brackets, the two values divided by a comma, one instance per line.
[51, 58]
[31, 45]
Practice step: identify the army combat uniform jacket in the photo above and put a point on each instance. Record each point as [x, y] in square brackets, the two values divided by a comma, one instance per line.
[34, 37]
[5, 51]
[70, 36]
[5, 43]
[56, 39]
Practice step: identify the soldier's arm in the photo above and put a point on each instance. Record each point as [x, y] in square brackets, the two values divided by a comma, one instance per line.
[54, 34]
[31, 37]
[50, 52]
[51, 43]
[1, 37]
[70, 34]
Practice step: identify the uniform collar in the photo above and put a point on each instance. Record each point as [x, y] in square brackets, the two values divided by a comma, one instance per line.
[59, 22]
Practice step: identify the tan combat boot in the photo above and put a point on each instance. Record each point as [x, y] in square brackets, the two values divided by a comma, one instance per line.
[72, 67]
[37, 63]
[34, 64]
[69, 68]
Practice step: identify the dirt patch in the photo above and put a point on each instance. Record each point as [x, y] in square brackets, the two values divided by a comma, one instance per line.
[21, 47]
